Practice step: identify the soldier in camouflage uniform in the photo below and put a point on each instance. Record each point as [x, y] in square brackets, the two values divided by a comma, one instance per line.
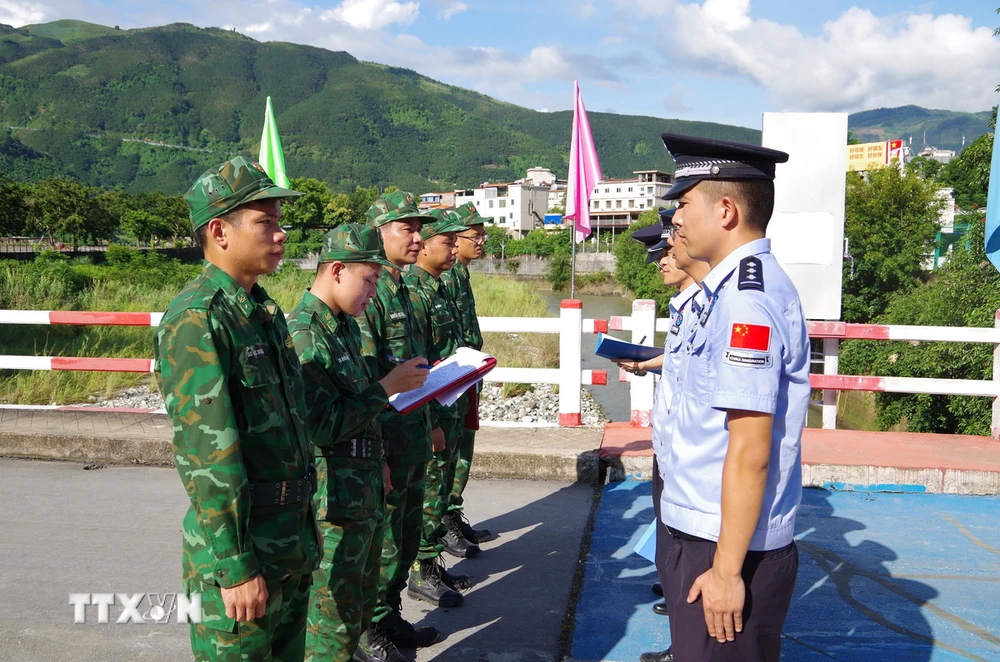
[388, 337]
[436, 321]
[344, 402]
[233, 389]
[456, 280]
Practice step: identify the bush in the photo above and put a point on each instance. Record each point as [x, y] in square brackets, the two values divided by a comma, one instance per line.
[560, 271]
[118, 256]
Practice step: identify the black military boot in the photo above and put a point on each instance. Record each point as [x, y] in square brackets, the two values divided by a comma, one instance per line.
[381, 646]
[426, 584]
[476, 536]
[361, 655]
[661, 656]
[402, 632]
[455, 542]
[455, 580]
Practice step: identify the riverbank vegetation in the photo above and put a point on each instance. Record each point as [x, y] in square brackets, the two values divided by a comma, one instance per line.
[130, 281]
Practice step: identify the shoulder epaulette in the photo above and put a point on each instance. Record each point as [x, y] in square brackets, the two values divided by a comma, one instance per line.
[751, 276]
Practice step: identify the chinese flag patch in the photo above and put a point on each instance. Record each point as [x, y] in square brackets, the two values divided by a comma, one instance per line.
[750, 336]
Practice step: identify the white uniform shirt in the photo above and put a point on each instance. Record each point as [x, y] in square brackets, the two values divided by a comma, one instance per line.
[748, 351]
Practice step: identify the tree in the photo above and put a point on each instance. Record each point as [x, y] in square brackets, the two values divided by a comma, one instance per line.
[969, 173]
[643, 280]
[13, 212]
[964, 292]
[560, 271]
[925, 167]
[496, 241]
[891, 225]
[308, 210]
[61, 207]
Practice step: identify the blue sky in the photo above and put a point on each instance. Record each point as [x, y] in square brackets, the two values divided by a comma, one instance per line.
[714, 60]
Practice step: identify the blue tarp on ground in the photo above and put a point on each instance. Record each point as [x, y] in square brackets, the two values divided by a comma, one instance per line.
[881, 577]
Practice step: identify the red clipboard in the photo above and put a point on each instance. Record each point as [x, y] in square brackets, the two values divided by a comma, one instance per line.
[467, 379]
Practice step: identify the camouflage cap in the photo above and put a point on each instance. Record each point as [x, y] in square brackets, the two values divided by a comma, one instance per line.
[227, 186]
[468, 215]
[395, 206]
[444, 221]
[353, 242]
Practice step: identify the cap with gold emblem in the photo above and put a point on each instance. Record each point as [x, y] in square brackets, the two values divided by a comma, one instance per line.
[445, 221]
[468, 215]
[395, 206]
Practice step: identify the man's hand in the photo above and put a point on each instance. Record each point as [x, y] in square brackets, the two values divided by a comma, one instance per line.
[722, 597]
[247, 601]
[405, 377]
[635, 367]
[437, 440]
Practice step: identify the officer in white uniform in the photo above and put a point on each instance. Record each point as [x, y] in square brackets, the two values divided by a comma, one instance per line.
[731, 463]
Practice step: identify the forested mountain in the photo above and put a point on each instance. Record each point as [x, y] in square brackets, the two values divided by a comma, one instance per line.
[149, 109]
[920, 127]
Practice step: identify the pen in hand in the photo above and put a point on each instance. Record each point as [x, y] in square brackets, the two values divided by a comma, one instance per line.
[397, 360]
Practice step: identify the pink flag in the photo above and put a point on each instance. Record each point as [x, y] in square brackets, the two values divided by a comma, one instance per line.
[584, 169]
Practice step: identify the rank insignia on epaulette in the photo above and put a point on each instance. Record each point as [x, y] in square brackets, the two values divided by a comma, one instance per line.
[288, 342]
[751, 276]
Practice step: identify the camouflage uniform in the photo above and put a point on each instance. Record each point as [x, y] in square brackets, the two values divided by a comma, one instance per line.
[344, 401]
[233, 389]
[436, 319]
[389, 336]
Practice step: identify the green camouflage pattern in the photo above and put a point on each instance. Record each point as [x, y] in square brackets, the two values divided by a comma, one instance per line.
[389, 336]
[280, 635]
[444, 221]
[462, 461]
[345, 587]
[468, 215]
[344, 400]
[395, 206]
[232, 387]
[437, 491]
[459, 285]
[404, 512]
[437, 317]
[353, 242]
[227, 186]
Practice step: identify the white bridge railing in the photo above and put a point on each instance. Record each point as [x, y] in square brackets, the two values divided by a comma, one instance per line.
[643, 323]
[570, 325]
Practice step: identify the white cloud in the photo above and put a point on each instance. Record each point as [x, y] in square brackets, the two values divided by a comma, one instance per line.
[453, 9]
[859, 61]
[21, 13]
[373, 14]
[586, 10]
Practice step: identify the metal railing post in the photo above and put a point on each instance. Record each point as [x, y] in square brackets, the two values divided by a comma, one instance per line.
[831, 364]
[641, 388]
[570, 363]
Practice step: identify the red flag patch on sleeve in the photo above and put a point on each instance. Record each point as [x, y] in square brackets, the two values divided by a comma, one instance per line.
[750, 336]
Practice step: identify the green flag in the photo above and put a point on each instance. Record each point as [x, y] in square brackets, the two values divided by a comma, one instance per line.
[271, 156]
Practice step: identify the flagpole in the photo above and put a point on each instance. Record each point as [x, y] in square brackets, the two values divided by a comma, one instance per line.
[572, 262]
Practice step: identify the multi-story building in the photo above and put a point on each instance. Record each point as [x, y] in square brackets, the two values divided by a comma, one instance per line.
[435, 200]
[517, 207]
[617, 203]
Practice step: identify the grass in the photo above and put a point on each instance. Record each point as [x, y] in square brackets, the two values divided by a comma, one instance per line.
[148, 284]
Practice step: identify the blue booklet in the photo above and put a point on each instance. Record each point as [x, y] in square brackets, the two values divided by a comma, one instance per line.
[613, 348]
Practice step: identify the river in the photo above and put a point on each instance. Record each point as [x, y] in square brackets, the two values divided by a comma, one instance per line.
[614, 398]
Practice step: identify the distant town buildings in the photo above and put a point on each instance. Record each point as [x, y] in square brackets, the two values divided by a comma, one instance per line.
[435, 200]
[942, 155]
[518, 207]
[617, 203]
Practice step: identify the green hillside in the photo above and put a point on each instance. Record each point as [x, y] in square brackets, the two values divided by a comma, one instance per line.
[90, 101]
[939, 128]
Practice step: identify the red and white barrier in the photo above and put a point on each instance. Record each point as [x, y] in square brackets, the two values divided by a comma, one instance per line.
[830, 382]
[570, 375]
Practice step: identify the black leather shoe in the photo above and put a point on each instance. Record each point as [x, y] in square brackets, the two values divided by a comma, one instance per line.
[405, 635]
[658, 589]
[360, 655]
[660, 608]
[476, 536]
[662, 656]
[381, 646]
[426, 584]
[455, 543]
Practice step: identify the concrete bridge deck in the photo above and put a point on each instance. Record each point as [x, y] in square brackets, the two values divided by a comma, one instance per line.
[833, 459]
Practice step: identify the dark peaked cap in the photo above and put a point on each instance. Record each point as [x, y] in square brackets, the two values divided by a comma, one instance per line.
[652, 236]
[703, 159]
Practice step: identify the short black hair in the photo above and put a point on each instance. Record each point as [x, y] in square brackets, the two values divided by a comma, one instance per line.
[233, 217]
[755, 198]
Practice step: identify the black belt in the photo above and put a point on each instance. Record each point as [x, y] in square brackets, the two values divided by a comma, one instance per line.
[356, 448]
[686, 536]
[284, 492]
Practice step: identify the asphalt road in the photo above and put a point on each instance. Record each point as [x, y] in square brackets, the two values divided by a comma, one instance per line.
[67, 530]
